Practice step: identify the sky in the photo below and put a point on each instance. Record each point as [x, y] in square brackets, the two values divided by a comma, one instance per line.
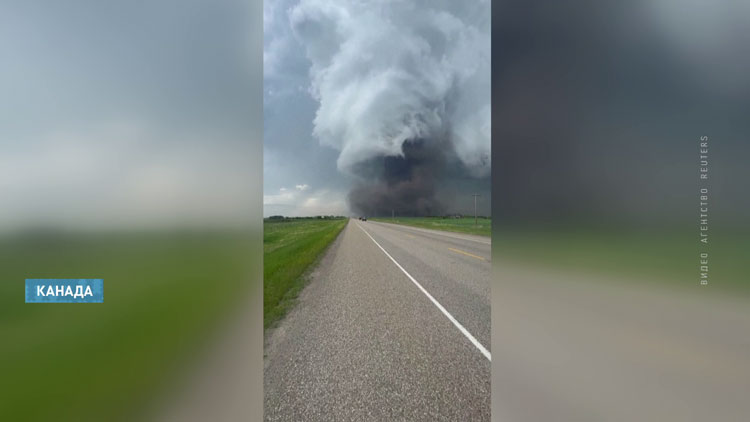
[348, 84]
[146, 113]
[120, 114]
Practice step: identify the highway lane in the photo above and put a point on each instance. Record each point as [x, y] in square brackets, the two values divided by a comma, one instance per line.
[365, 342]
[455, 268]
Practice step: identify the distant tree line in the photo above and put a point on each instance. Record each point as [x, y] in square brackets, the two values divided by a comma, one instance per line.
[281, 218]
[441, 216]
[459, 216]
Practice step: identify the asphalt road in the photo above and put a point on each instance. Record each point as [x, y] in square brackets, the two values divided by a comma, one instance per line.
[394, 326]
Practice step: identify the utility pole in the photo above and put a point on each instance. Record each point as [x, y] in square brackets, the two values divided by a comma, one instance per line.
[393, 213]
[475, 207]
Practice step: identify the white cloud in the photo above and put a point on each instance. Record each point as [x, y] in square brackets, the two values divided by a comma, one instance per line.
[303, 202]
[284, 197]
[302, 187]
[384, 73]
[324, 203]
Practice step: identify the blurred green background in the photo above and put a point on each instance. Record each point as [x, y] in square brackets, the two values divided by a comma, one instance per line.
[642, 256]
[164, 292]
[131, 151]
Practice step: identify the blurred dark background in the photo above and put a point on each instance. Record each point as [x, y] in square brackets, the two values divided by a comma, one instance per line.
[598, 109]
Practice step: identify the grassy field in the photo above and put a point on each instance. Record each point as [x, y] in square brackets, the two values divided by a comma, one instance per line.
[289, 248]
[164, 292]
[460, 225]
[668, 257]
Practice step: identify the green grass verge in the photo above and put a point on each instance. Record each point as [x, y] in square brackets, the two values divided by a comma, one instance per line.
[164, 292]
[667, 257]
[459, 225]
[289, 249]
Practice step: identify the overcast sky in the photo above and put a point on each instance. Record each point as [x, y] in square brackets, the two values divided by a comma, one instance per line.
[141, 113]
[299, 175]
[346, 83]
[127, 113]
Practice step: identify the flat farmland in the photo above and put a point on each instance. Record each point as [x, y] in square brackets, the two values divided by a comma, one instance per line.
[483, 227]
[290, 247]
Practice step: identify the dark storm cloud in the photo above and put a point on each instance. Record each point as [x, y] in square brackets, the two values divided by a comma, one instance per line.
[597, 111]
[402, 184]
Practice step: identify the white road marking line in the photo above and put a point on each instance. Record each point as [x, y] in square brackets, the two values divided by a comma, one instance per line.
[458, 325]
[435, 232]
